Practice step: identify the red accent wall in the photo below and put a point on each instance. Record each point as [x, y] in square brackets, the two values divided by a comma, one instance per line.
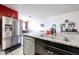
[5, 11]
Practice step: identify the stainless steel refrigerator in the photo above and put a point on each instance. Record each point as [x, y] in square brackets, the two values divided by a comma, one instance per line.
[11, 31]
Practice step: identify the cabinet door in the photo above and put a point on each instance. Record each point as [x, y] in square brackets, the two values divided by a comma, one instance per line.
[28, 46]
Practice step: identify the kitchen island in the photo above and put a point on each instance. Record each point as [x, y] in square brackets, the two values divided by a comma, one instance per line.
[50, 46]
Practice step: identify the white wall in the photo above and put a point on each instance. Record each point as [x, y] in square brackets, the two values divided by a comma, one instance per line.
[72, 16]
[34, 24]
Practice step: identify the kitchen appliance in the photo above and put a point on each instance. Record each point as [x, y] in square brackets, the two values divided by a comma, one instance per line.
[10, 32]
[7, 30]
[28, 46]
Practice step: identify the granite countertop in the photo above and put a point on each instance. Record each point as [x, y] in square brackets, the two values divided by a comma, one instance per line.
[57, 39]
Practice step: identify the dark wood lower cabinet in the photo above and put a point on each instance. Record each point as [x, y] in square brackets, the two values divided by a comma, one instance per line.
[43, 47]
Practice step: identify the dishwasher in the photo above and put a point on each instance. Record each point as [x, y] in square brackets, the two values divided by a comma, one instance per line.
[28, 45]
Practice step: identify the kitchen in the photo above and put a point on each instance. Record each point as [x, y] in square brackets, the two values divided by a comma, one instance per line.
[50, 29]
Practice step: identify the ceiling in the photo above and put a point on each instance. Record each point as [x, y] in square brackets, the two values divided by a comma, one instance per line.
[42, 10]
